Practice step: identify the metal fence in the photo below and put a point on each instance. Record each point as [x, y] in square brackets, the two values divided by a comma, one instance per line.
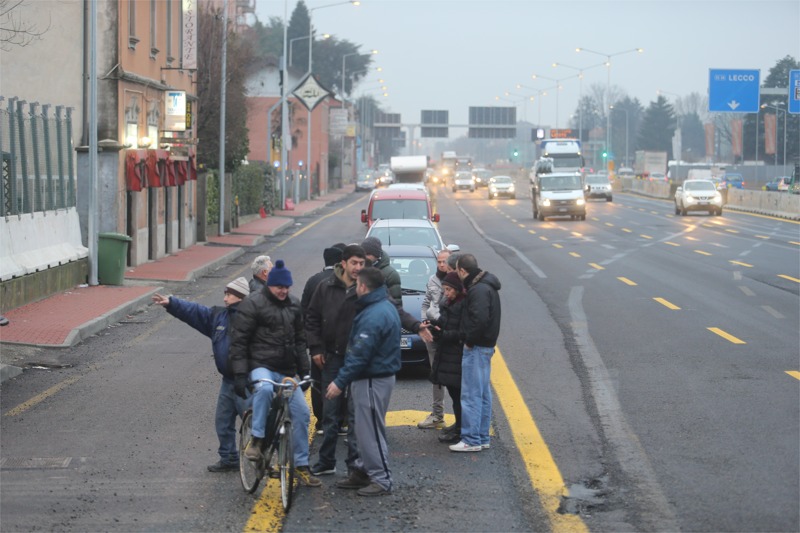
[38, 158]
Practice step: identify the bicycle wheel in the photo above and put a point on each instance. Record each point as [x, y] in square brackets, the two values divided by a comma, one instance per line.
[286, 460]
[250, 472]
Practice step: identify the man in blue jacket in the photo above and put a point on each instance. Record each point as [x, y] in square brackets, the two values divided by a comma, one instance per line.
[370, 365]
[213, 322]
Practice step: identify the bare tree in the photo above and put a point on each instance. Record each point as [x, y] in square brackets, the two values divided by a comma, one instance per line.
[15, 28]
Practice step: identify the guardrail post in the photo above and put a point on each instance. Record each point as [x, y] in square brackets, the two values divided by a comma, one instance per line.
[26, 200]
[71, 200]
[60, 154]
[37, 175]
[48, 157]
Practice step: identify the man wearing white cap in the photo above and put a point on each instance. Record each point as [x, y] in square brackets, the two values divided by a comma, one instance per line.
[213, 322]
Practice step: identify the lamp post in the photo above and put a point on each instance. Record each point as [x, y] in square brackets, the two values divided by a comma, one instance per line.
[520, 98]
[558, 88]
[608, 85]
[539, 93]
[627, 161]
[342, 90]
[785, 124]
[580, 92]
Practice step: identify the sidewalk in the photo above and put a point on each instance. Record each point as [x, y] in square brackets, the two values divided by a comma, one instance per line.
[65, 319]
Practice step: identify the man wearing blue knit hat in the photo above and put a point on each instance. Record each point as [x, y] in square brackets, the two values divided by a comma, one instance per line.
[268, 341]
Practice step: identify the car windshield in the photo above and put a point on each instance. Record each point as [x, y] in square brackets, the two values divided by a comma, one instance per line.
[463, 176]
[414, 271]
[560, 183]
[596, 180]
[501, 179]
[566, 161]
[401, 208]
[699, 186]
[410, 236]
[482, 174]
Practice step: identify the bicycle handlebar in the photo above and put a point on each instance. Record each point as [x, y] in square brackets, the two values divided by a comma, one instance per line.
[285, 383]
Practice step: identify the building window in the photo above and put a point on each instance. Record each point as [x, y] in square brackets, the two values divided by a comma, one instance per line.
[132, 39]
[170, 57]
[132, 111]
[153, 26]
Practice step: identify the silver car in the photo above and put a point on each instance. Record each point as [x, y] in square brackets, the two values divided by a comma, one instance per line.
[598, 186]
[698, 195]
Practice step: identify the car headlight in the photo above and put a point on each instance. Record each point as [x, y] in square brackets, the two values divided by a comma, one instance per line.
[492, 188]
[511, 188]
[580, 201]
[546, 202]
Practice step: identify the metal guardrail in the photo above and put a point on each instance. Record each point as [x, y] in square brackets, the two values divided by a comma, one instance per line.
[38, 158]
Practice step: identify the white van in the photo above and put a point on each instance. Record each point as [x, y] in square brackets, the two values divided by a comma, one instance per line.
[558, 194]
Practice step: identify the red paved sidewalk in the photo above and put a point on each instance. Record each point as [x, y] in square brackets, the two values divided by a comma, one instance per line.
[185, 265]
[69, 317]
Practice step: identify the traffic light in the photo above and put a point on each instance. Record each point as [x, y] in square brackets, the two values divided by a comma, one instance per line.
[516, 152]
[605, 154]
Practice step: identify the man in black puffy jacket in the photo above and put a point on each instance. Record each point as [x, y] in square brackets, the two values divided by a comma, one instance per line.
[268, 341]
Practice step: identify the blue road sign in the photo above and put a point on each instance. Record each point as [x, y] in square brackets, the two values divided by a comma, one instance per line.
[733, 91]
[794, 91]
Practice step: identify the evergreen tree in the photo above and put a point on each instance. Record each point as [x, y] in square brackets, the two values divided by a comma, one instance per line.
[693, 138]
[297, 36]
[657, 127]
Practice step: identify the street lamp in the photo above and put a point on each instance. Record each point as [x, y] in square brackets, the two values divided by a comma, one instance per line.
[785, 121]
[558, 88]
[580, 92]
[608, 84]
[539, 93]
[627, 161]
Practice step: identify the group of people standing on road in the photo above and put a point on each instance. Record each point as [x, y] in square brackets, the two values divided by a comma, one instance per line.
[346, 332]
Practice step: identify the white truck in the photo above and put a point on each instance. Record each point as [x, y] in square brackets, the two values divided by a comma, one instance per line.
[649, 164]
[409, 168]
[559, 155]
[558, 194]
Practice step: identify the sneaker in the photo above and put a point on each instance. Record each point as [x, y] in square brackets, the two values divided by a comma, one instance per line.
[450, 438]
[342, 431]
[356, 480]
[320, 432]
[219, 466]
[373, 489]
[431, 422]
[304, 477]
[320, 470]
[486, 446]
[464, 447]
[253, 450]
[450, 428]
[318, 429]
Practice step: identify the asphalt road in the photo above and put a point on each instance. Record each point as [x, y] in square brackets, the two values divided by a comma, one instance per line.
[616, 407]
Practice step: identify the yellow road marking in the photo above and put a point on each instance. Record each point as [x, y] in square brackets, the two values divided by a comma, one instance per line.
[543, 238]
[531, 232]
[688, 238]
[794, 242]
[627, 281]
[726, 336]
[542, 470]
[21, 408]
[762, 237]
[596, 266]
[515, 220]
[410, 417]
[741, 264]
[671, 243]
[667, 304]
[701, 252]
[626, 230]
[521, 225]
[790, 278]
[556, 245]
[642, 235]
[794, 373]
[609, 224]
[732, 231]
[309, 226]
[574, 254]
[575, 233]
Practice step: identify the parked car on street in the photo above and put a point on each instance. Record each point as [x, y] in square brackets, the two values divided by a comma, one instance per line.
[501, 186]
[597, 186]
[698, 195]
[365, 182]
[780, 183]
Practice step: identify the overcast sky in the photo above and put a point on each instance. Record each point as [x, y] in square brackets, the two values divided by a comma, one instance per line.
[453, 54]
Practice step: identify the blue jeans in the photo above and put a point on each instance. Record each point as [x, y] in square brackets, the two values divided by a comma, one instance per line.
[331, 418]
[262, 397]
[476, 394]
[229, 406]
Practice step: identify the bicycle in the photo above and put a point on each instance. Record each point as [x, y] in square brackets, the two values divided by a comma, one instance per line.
[277, 453]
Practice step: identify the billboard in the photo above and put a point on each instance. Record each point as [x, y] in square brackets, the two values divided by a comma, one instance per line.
[434, 123]
[492, 122]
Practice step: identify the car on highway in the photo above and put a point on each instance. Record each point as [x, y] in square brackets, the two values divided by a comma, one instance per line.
[408, 186]
[597, 186]
[398, 203]
[733, 181]
[657, 176]
[408, 232]
[501, 186]
[415, 265]
[698, 195]
[780, 184]
[365, 182]
[463, 180]
[481, 176]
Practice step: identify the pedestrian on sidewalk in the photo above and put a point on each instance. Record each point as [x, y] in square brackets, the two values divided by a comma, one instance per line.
[261, 266]
[214, 322]
[329, 320]
[372, 360]
[446, 365]
[430, 311]
[480, 327]
[331, 257]
[268, 341]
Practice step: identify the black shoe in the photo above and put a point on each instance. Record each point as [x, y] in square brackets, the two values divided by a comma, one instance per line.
[219, 466]
[373, 489]
[356, 480]
[450, 428]
[3, 321]
[322, 470]
[342, 431]
[450, 438]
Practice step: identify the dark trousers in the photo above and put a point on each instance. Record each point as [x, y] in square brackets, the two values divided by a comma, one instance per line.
[316, 393]
[455, 395]
[332, 416]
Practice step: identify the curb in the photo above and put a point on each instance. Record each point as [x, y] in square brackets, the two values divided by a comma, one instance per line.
[214, 265]
[7, 372]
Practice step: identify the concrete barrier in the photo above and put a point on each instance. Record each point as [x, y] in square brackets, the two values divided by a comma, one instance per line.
[33, 242]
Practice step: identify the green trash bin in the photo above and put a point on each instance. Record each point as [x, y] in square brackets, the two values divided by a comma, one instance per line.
[112, 257]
